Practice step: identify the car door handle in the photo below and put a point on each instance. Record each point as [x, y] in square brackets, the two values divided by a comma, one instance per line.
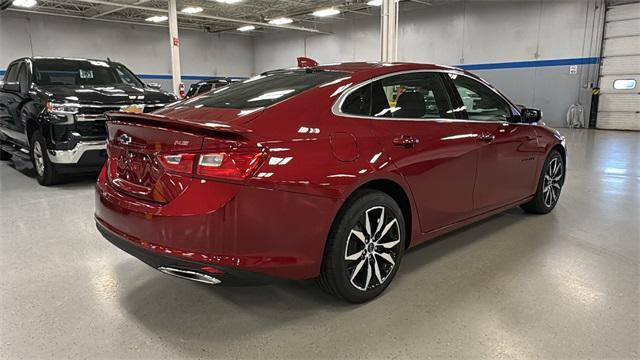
[406, 141]
[487, 137]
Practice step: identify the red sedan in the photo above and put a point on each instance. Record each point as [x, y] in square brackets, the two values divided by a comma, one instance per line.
[327, 172]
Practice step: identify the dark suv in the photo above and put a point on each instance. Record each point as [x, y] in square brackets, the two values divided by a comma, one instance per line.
[52, 111]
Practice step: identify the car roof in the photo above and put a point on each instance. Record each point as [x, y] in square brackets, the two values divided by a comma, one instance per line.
[355, 67]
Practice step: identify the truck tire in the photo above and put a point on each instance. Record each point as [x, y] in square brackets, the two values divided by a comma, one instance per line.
[4, 156]
[45, 170]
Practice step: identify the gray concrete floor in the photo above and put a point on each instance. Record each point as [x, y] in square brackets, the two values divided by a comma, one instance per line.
[564, 285]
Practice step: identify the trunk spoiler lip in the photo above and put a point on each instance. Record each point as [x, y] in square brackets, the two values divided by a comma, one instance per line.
[211, 125]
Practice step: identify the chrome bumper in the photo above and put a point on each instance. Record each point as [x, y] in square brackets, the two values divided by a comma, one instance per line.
[73, 156]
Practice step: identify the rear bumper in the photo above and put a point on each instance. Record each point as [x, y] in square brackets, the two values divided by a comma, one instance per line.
[239, 228]
[219, 274]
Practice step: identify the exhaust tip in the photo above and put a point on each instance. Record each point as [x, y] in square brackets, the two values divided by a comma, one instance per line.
[190, 275]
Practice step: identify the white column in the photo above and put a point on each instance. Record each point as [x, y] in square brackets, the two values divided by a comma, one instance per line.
[175, 46]
[389, 31]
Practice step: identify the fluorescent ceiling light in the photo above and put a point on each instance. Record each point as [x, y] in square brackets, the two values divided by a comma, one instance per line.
[246, 28]
[228, 1]
[157, 18]
[25, 3]
[326, 12]
[280, 21]
[375, 3]
[192, 10]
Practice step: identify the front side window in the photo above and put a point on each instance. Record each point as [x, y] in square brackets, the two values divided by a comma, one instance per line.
[264, 90]
[23, 78]
[420, 95]
[480, 102]
[126, 76]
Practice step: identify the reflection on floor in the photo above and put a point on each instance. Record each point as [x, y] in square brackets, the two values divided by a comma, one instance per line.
[564, 285]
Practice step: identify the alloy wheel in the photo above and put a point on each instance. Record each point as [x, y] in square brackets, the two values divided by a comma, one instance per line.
[552, 182]
[38, 158]
[373, 245]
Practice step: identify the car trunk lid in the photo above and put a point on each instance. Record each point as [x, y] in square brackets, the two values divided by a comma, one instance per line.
[136, 140]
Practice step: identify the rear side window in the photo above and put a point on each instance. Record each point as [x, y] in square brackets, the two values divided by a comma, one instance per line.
[358, 102]
[264, 90]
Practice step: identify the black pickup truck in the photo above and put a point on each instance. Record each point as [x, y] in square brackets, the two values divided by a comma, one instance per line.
[52, 111]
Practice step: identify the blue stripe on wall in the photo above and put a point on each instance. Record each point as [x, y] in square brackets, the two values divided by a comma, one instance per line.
[530, 64]
[487, 66]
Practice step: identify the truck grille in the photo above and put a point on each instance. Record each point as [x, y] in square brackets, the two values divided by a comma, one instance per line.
[95, 128]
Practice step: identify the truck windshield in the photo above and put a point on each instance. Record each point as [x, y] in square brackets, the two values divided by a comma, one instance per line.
[81, 72]
[264, 90]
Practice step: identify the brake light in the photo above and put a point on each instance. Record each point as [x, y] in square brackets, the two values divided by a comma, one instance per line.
[235, 165]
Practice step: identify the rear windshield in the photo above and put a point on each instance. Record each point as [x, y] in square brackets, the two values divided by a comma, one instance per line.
[264, 90]
[82, 72]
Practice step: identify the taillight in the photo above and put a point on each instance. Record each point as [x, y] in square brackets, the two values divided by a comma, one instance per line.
[234, 165]
[180, 163]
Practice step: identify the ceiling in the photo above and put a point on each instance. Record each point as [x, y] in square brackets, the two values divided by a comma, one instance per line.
[215, 17]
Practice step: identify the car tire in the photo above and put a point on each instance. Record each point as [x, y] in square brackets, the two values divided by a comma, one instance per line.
[549, 185]
[357, 266]
[44, 168]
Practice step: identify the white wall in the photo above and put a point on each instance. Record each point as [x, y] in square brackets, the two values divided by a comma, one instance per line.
[470, 32]
[144, 49]
[452, 33]
[456, 32]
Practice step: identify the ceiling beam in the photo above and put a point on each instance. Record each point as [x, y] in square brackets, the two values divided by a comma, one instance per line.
[116, 9]
[98, 19]
[204, 16]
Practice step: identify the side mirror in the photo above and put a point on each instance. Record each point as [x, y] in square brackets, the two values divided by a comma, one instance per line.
[154, 86]
[11, 86]
[528, 115]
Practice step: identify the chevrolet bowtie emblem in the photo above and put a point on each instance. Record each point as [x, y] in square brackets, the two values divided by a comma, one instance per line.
[124, 139]
[133, 108]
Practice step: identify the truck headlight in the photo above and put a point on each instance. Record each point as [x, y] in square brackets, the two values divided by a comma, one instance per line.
[62, 108]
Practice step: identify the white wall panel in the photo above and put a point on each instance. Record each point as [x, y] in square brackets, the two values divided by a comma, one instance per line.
[623, 12]
[606, 84]
[621, 65]
[622, 28]
[621, 46]
[619, 108]
[619, 121]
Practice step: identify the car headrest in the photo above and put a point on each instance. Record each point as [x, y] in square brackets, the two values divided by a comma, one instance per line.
[411, 104]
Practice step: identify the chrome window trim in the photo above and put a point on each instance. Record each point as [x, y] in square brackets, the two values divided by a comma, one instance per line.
[337, 105]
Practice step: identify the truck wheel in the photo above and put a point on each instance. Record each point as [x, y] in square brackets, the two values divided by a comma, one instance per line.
[45, 170]
[4, 156]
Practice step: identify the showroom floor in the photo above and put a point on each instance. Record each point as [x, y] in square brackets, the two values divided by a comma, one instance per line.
[556, 286]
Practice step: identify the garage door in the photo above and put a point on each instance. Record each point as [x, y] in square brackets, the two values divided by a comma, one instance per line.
[619, 106]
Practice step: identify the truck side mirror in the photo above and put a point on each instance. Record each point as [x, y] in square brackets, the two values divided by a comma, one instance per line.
[11, 86]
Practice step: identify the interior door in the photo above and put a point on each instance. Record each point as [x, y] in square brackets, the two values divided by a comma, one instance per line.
[433, 150]
[509, 150]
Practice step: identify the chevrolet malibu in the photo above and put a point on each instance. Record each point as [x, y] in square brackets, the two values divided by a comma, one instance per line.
[328, 172]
